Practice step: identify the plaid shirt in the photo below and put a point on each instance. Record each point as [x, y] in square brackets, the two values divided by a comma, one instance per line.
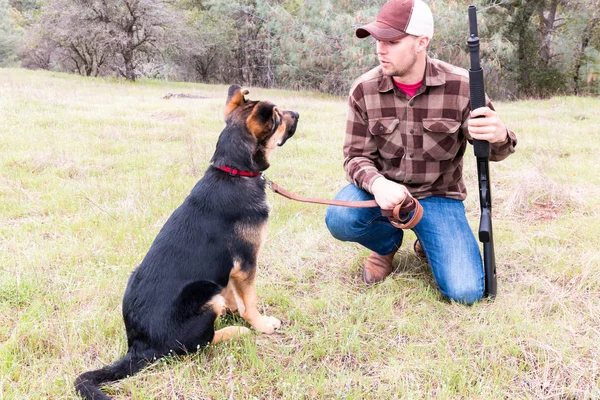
[418, 142]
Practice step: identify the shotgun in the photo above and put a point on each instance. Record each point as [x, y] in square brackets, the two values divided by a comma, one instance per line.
[482, 153]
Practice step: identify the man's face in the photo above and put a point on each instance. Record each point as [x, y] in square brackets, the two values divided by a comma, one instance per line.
[398, 57]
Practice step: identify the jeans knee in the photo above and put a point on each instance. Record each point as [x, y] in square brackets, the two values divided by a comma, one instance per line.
[337, 222]
[464, 293]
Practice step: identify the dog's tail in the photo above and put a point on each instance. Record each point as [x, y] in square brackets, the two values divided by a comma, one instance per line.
[87, 383]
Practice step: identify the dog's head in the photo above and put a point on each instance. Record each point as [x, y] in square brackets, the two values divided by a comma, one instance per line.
[265, 125]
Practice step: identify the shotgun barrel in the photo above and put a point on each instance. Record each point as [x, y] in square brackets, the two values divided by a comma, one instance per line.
[482, 153]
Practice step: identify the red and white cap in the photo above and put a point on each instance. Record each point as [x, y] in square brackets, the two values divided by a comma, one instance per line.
[399, 18]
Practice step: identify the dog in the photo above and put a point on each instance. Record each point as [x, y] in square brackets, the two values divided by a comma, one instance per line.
[203, 261]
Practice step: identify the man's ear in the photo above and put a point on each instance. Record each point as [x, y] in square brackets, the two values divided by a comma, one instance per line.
[235, 98]
[422, 43]
[260, 122]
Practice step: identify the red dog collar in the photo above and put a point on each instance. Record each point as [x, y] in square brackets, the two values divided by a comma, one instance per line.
[235, 171]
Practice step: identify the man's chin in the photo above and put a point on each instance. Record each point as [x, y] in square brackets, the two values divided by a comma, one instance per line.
[388, 71]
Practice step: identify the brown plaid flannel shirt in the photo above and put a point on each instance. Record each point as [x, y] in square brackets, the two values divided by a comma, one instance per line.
[418, 142]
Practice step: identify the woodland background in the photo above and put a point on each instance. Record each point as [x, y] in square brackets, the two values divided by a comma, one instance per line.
[530, 49]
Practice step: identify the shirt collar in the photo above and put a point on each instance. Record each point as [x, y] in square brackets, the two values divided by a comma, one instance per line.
[434, 76]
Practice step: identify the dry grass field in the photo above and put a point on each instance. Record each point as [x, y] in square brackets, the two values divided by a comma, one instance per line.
[90, 169]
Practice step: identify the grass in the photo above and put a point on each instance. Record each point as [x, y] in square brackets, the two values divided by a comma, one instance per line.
[90, 169]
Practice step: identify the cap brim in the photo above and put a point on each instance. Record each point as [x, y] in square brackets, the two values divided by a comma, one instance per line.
[380, 31]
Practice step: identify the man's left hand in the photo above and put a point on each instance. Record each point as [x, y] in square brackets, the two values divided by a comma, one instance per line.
[487, 127]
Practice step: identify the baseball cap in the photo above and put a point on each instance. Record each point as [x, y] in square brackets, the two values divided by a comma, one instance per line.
[399, 18]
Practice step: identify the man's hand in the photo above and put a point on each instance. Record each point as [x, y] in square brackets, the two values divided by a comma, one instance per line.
[488, 127]
[388, 194]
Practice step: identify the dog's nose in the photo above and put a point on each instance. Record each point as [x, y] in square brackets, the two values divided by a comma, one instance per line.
[295, 115]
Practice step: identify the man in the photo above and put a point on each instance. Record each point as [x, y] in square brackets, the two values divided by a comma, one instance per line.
[409, 121]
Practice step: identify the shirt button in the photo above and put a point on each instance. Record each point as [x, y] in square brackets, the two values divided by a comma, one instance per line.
[410, 156]
[380, 128]
[412, 131]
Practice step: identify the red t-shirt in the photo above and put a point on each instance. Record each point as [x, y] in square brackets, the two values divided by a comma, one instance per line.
[409, 89]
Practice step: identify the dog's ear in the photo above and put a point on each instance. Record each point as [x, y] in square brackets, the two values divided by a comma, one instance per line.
[235, 98]
[261, 121]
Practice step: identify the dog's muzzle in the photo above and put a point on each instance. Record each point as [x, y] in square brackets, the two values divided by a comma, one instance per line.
[291, 128]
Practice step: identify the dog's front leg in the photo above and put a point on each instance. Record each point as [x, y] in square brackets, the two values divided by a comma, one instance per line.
[241, 286]
[228, 294]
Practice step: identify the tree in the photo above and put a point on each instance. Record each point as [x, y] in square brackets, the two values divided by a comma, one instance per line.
[8, 34]
[590, 13]
[251, 42]
[137, 28]
[208, 45]
[530, 27]
[115, 35]
[65, 35]
[549, 23]
[324, 54]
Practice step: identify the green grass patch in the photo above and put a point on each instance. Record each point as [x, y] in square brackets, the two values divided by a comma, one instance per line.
[92, 168]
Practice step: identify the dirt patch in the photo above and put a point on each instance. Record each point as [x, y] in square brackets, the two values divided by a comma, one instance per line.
[545, 211]
[183, 96]
[167, 116]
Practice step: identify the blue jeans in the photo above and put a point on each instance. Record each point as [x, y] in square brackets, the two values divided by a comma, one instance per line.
[444, 233]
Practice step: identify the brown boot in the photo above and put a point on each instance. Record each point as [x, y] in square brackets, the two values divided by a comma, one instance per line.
[419, 252]
[377, 267]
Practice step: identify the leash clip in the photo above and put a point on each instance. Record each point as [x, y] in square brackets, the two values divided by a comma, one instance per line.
[267, 181]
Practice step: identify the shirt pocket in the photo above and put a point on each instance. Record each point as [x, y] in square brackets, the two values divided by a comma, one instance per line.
[387, 137]
[440, 138]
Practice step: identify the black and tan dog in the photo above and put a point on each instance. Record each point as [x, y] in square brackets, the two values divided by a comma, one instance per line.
[203, 260]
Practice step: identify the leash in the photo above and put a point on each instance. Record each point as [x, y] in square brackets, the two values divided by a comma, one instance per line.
[399, 216]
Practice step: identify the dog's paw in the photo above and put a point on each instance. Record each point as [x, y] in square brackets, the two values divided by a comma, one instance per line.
[266, 324]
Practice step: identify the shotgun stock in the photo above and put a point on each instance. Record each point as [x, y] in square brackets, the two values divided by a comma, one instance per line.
[482, 153]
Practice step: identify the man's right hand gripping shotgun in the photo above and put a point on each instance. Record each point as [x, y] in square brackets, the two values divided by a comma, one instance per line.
[482, 153]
